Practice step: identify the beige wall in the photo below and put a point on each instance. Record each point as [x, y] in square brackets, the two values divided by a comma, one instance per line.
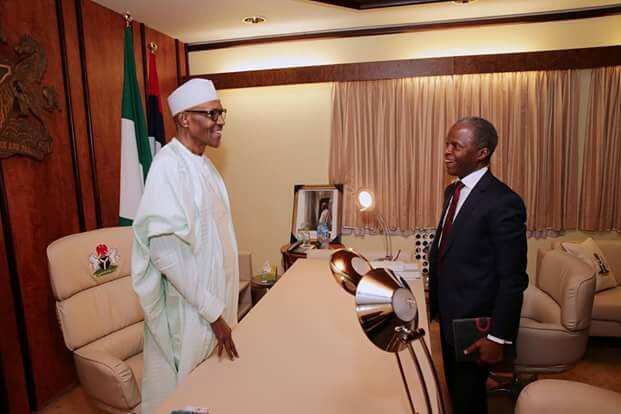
[279, 136]
[274, 138]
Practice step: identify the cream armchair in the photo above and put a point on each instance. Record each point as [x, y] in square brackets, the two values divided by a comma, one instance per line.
[607, 303]
[556, 315]
[555, 320]
[99, 314]
[566, 397]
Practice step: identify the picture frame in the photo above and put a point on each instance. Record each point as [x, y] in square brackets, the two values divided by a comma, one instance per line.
[315, 204]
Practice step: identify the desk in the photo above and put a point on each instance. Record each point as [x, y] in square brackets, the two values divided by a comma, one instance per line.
[302, 351]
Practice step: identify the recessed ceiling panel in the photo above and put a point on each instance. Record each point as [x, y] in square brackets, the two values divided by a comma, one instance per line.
[376, 4]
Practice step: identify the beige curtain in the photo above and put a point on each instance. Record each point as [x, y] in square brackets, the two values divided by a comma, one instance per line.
[601, 178]
[389, 136]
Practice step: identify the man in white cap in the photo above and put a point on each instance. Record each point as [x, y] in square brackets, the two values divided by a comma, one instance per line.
[184, 258]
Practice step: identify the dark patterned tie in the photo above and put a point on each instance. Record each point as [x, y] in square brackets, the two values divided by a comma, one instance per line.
[450, 215]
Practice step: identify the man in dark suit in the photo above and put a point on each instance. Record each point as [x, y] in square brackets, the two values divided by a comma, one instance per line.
[477, 260]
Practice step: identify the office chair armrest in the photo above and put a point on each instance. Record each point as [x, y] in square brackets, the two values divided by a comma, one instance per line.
[107, 378]
[539, 306]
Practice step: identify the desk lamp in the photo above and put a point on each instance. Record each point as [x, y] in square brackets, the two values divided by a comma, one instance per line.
[387, 312]
[366, 203]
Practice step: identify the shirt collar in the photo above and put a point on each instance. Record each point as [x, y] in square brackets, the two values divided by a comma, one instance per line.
[474, 177]
[186, 150]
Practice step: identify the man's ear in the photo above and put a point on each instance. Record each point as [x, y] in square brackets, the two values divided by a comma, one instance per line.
[182, 120]
[483, 154]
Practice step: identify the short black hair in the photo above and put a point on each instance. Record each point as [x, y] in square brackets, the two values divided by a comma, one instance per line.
[484, 133]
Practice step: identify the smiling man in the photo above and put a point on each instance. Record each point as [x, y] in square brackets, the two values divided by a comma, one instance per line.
[184, 258]
[478, 261]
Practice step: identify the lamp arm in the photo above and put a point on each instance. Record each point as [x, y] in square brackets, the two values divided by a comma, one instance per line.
[405, 383]
[407, 336]
[434, 371]
[387, 239]
[420, 376]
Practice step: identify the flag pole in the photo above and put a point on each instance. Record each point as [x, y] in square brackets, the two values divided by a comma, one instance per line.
[128, 19]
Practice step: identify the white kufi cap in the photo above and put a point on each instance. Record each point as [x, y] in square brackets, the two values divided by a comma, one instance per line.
[193, 92]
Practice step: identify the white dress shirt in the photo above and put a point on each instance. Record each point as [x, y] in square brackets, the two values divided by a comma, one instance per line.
[469, 182]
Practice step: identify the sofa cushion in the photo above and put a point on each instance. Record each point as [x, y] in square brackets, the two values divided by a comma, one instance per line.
[590, 253]
[607, 305]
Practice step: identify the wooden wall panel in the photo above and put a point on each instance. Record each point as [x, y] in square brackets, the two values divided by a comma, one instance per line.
[166, 62]
[41, 206]
[10, 351]
[182, 62]
[103, 37]
[76, 87]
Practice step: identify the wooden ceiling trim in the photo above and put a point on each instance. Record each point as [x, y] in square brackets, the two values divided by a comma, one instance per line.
[458, 65]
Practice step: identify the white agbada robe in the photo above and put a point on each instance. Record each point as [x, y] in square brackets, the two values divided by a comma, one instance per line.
[185, 206]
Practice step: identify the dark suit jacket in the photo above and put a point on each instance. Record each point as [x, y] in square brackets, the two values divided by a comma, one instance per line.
[483, 269]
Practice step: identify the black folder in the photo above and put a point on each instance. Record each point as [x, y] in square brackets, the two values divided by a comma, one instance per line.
[469, 330]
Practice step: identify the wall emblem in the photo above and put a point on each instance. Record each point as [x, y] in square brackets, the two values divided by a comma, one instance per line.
[103, 260]
[24, 100]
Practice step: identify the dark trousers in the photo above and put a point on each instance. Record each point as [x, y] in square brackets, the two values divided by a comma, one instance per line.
[465, 381]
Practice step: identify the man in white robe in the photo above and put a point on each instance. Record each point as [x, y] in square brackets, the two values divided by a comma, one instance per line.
[184, 259]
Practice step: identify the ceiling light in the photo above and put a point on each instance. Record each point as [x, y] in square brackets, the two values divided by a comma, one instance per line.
[254, 19]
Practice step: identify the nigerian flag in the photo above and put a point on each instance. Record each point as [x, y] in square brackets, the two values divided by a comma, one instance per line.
[135, 149]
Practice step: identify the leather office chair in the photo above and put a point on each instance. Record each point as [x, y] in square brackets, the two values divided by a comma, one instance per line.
[555, 319]
[100, 315]
[566, 397]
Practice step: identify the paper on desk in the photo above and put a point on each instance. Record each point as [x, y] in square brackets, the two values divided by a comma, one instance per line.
[319, 254]
[192, 410]
[407, 270]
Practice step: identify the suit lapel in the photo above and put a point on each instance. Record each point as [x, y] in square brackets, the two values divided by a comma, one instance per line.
[474, 198]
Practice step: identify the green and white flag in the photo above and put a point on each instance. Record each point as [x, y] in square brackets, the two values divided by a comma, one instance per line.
[135, 151]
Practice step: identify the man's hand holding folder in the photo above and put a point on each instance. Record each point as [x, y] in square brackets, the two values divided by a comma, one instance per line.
[490, 352]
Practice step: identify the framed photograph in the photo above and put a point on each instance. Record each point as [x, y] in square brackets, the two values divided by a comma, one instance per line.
[314, 206]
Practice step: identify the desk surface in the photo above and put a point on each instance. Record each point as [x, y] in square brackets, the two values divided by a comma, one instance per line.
[302, 351]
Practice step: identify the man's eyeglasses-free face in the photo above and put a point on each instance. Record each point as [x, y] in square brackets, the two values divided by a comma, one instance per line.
[214, 114]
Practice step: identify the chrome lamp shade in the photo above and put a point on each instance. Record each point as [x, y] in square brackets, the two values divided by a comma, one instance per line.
[348, 268]
[387, 312]
[383, 303]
